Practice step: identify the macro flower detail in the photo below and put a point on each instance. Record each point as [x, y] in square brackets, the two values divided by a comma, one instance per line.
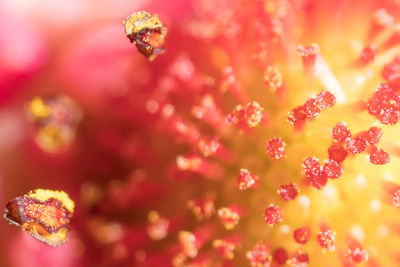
[276, 148]
[176, 161]
[288, 192]
[147, 33]
[302, 235]
[326, 239]
[272, 215]
[246, 179]
[44, 214]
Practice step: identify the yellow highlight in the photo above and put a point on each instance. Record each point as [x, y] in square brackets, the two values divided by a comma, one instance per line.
[38, 108]
[45, 194]
[139, 21]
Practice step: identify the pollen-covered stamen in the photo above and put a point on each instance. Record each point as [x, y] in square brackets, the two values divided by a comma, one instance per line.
[314, 172]
[246, 179]
[276, 148]
[259, 256]
[249, 116]
[229, 217]
[356, 145]
[147, 32]
[288, 192]
[373, 135]
[332, 169]
[326, 99]
[379, 157]
[368, 54]
[299, 259]
[202, 208]
[273, 78]
[308, 53]
[385, 104]
[311, 108]
[396, 198]
[44, 214]
[225, 248]
[273, 215]
[158, 226]
[326, 240]
[302, 235]
[280, 256]
[312, 167]
[340, 132]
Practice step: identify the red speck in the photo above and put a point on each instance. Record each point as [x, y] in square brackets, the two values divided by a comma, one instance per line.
[326, 99]
[312, 167]
[332, 169]
[396, 198]
[326, 239]
[356, 145]
[340, 132]
[337, 153]
[276, 148]
[246, 179]
[302, 235]
[250, 116]
[253, 114]
[379, 157]
[357, 255]
[314, 172]
[312, 108]
[288, 192]
[272, 215]
[374, 135]
[368, 54]
[385, 104]
[299, 259]
[259, 256]
[280, 256]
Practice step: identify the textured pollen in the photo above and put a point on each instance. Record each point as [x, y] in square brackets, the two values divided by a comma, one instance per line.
[44, 214]
[326, 240]
[332, 169]
[246, 180]
[272, 215]
[379, 157]
[146, 32]
[302, 235]
[276, 148]
[340, 132]
[288, 192]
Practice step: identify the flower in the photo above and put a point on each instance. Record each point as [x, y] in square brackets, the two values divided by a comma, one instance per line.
[176, 159]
